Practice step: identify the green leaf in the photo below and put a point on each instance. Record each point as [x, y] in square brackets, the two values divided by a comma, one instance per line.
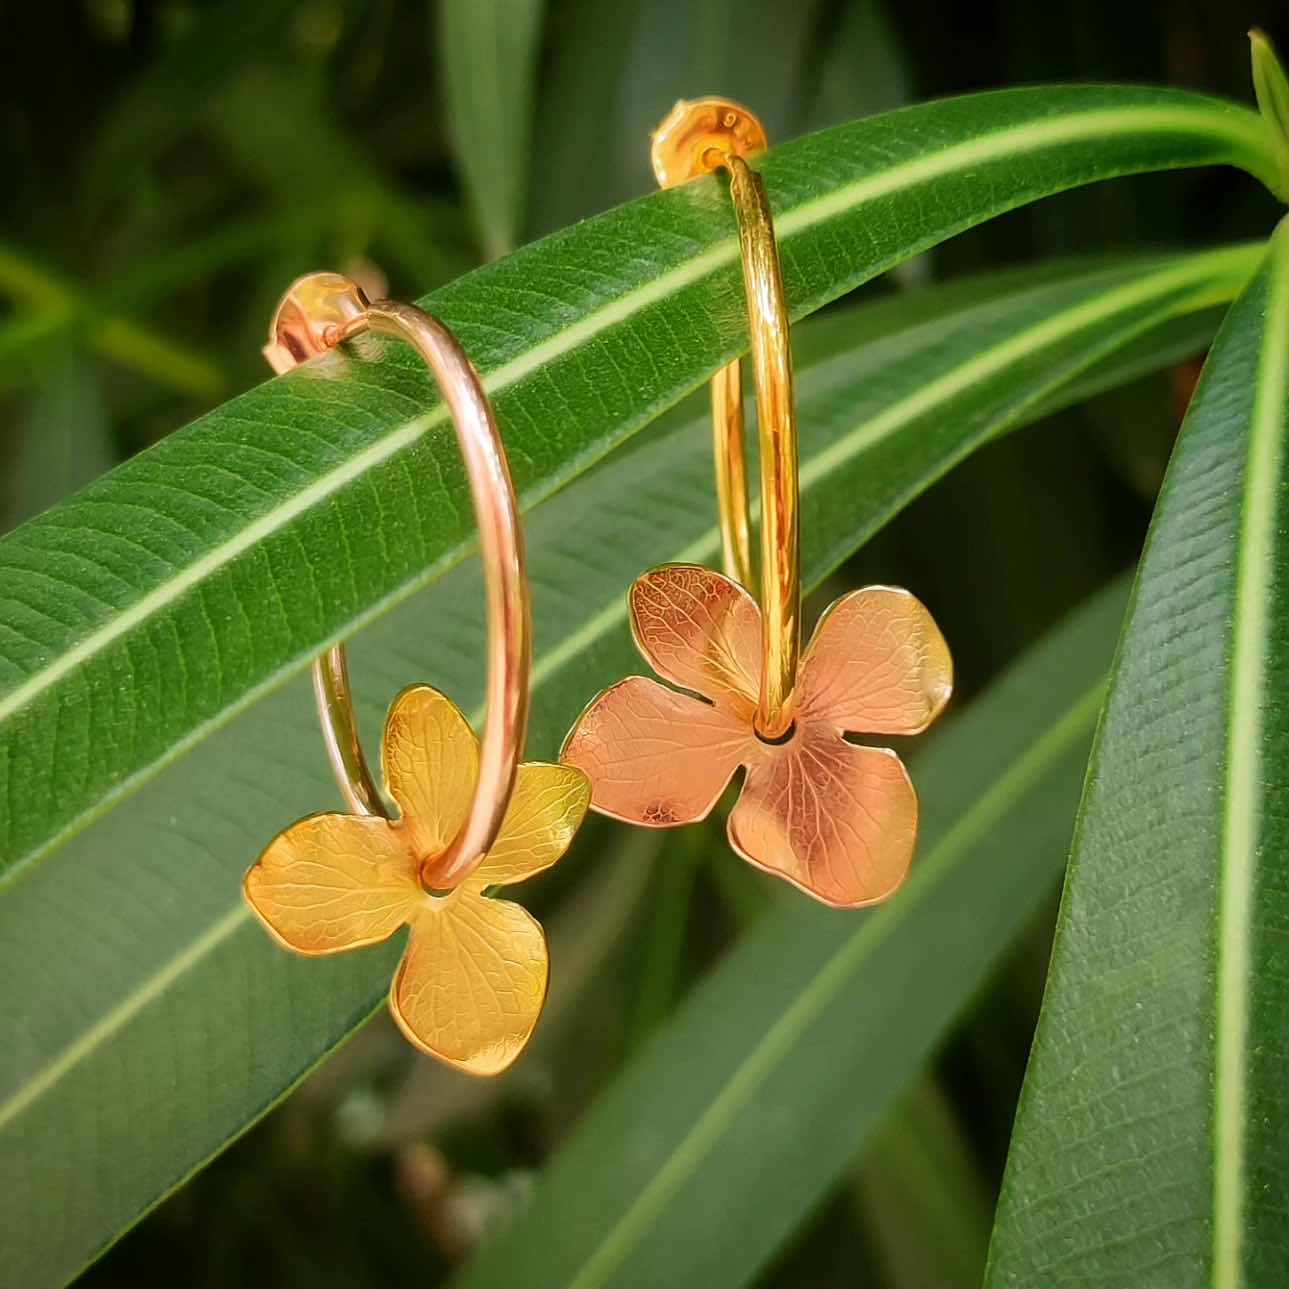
[1272, 88]
[99, 309]
[1149, 1147]
[488, 55]
[927, 1206]
[57, 307]
[753, 1102]
[617, 68]
[659, 968]
[278, 129]
[864, 68]
[210, 568]
[161, 105]
[172, 1008]
[584, 933]
[753, 51]
[65, 440]
[576, 131]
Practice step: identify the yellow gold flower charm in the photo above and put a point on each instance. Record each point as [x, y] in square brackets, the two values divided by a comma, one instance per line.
[473, 979]
[835, 819]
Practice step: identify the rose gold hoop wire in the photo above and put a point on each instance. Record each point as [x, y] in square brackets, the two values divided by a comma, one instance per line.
[319, 312]
[696, 138]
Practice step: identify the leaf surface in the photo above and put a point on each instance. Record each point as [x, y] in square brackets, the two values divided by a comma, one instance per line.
[1149, 1145]
[139, 991]
[488, 55]
[710, 1149]
[145, 612]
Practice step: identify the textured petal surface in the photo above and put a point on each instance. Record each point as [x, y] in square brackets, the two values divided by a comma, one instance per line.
[877, 665]
[654, 756]
[545, 811]
[472, 982]
[333, 882]
[839, 821]
[431, 761]
[700, 630]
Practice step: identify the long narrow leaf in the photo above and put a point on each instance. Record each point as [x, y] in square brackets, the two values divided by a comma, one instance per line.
[147, 611]
[925, 1200]
[578, 112]
[56, 306]
[137, 988]
[1149, 1148]
[710, 1149]
[754, 51]
[276, 127]
[488, 55]
[65, 439]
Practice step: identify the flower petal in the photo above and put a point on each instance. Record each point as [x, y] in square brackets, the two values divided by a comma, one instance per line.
[654, 756]
[546, 809]
[702, 631]
[877, 664]
[472, 982]
[838, 821]
[333, 882]
[431, 762]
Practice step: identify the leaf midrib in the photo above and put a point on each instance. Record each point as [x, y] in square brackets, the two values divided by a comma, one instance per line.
[1226, 259]
[1242, 798]
[1200, 267]
[874, 931]
[992, 146]
[1055, 328]
[892, 418]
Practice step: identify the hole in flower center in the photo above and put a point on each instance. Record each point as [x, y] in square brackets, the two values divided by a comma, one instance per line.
[779, 740]
[433, 892]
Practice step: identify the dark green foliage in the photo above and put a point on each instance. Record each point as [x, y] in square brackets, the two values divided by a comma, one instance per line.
[730, 1085]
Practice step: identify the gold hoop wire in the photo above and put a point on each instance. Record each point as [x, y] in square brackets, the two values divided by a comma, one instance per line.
[696, 138]
[318, 313]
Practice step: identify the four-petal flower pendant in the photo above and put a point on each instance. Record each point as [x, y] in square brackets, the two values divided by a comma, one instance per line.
[834, 818]
[473, 978]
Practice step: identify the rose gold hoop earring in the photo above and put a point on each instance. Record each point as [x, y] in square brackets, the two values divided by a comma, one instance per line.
[456, 816]
[835, 819]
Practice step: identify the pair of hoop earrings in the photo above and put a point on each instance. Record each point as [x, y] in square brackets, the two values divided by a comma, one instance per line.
[460, 816]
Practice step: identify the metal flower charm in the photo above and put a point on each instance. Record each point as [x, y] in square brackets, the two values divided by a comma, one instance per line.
[833, 818]
[473, 978]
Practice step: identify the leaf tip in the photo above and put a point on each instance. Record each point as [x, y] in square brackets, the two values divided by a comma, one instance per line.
[1271, 88]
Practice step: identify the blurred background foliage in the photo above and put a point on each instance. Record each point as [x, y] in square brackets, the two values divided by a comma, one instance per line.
[171, 166]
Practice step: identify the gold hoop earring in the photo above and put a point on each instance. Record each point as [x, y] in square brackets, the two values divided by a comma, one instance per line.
[835, 819]
[457, 816]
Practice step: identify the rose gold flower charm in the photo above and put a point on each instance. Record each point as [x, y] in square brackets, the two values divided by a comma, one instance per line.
[833, 818]
[465, 815]
[836, 819]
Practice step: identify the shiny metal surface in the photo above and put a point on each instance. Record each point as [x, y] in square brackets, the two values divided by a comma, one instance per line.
[731, 476]
[459, 817]
[472, 981]
[836, 820]
[317, 313]
[695, 138]
[335, 704]
[833, 818]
